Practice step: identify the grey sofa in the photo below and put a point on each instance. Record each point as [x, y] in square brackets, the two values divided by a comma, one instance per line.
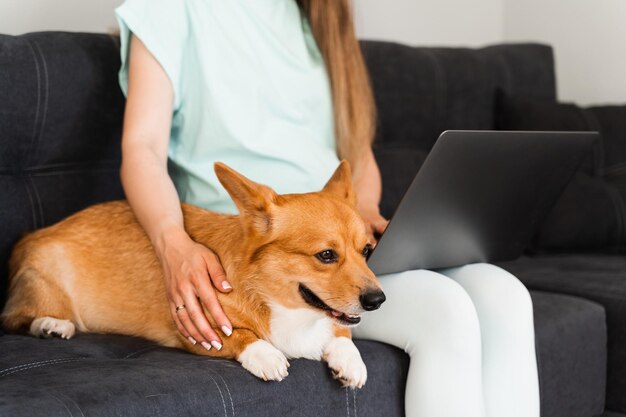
[60, 125]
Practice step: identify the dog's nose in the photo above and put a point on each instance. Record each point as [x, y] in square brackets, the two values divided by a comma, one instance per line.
[371, 300]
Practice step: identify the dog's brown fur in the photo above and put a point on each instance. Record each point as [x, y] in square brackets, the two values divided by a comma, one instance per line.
[98, 269]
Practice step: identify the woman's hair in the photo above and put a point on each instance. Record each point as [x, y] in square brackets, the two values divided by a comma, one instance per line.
[353, 101]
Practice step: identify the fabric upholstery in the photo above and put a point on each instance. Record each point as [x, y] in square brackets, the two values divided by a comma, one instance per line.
[121, 376]
[597, 277]
[612, 121]
[60, 130]
[591, 212]
[571, 341]
[420, 92]
[521, 113]
[106, 375]
[588, 216]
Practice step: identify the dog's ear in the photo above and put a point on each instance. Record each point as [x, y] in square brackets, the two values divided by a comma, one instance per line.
[340, 184]
[254, 200]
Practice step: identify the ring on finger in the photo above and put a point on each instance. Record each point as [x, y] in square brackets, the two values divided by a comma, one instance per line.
[180, 307]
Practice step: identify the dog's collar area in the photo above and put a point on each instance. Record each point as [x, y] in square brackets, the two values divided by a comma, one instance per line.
[313, 300]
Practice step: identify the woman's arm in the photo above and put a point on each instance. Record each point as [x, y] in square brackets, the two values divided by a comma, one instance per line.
[368, 189]
[187, 265]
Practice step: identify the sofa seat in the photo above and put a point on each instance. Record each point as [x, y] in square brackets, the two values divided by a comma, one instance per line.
[104, 375]
[108, 375]
[597, 277]
[570, 337]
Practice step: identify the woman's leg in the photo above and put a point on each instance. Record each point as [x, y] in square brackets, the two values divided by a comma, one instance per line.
[433, 319]
[505, 313]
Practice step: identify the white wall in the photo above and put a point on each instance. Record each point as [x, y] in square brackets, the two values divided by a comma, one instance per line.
[431, 22]
[21, 16]
[436, 22]
[589, 39]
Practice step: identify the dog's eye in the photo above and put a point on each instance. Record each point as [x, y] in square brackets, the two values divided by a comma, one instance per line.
[366, 250]
[327, 256]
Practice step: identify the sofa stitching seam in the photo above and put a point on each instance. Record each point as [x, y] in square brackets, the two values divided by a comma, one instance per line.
[46, 100]
[62, 403]
[441, 88]
[34, 133]
[142, 350]
[71, 401]
[32, 203]
[37, 137]
[33, 365]
[232, 405]
[36, 192]
[221, 395]
[38, 366]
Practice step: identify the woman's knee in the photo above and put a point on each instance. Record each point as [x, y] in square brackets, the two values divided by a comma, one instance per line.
[431, 309]
[493, 288]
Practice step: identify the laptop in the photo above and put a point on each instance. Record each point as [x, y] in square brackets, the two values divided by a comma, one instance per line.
[479, 197]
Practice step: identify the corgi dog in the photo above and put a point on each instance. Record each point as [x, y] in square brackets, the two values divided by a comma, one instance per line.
[296, 263]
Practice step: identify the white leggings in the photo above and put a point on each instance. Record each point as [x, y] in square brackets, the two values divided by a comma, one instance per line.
[470, 338]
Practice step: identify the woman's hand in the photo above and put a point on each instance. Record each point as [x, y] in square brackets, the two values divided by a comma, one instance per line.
[374, 222]
[189, 269]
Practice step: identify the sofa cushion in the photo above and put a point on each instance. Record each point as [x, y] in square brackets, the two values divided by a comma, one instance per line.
[571, 353]
[420, 92]
[591, 213]
[612, 120]
[612, 123]
[103, 375]
[597, 277]
[522, 113]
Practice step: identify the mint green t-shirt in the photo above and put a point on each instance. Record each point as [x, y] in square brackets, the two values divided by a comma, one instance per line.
[250, 90]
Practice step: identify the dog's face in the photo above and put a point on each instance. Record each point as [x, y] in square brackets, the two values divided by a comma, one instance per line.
[307, 250]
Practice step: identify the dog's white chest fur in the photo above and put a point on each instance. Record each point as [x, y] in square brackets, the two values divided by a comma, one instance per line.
[300, 332]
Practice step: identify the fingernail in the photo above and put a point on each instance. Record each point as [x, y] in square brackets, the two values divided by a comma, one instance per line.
[192, 340]
[206, 345]
[227, 331]
[226, 285]
[217, 345]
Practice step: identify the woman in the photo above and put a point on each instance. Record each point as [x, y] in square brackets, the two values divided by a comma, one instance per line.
[278, 90]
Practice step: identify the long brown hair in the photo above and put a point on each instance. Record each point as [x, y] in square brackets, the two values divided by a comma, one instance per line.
[353, 101]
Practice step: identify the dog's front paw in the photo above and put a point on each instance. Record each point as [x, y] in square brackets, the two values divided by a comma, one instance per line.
[265, 361]
[345, 361]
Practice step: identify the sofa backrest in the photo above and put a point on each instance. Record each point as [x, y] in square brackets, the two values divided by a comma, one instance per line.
[420, 92]
[61, 113]
[60, 126]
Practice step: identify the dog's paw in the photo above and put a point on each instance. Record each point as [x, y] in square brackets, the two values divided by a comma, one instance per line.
[345, 362]
[264, 361]
[49, 327]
